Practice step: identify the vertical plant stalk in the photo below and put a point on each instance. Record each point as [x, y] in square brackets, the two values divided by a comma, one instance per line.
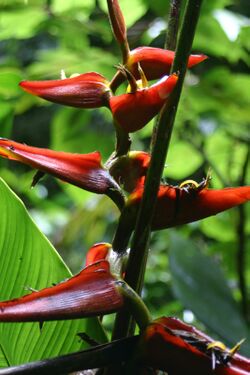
[241, 254]
[171, 39]
[139, 247]
[173, 25]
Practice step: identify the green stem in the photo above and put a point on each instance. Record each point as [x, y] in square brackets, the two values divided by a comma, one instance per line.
[173, 24]
[117, 197]
[139, 247]
[241, 253]
[135, 304]
[123, 141]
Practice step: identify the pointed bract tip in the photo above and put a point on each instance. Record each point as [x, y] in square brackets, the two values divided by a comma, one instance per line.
[89, 90]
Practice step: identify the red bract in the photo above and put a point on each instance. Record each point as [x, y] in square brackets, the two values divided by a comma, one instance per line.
[155, 62]
[134, 110]
[97, 252]
[91, 292]
[117, 21]
[130, 170]
[83, 170]
[176, 206]
[173, 346]
[89, 90]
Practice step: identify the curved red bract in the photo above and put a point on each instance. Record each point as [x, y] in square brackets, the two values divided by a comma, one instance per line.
[163, 346]
[82, 170]
[156, 62]
[97, 252]
[91, 292]
[176, 206]
[89, 90]
[133, 111]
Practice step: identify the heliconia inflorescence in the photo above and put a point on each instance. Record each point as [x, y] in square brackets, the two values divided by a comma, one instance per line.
[131, 111]
[166, 343]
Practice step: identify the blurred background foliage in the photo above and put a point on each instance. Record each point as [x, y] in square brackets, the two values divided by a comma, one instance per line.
[205, 279]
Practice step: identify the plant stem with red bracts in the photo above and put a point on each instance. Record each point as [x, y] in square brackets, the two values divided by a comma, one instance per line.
[139, 247]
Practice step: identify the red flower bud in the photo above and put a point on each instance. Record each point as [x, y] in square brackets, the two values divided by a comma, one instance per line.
[83, 170]
[155, 62]
[177, 206]
[97, 252]
[117, 21]
[91, 292]
[173, 346]
[134, 110]
[89, 90]
[130, 170]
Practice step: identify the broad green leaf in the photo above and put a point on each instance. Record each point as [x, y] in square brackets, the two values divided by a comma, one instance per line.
[244, 38]
[59, 6]
[51, 62]
[227, 154]
[29, 260]
[219, 227]
[183, 160]
[209, 30]
[139, 9]
[79, 131]
[200, 284]
[21, 23]
[9, 79]
[6, 119]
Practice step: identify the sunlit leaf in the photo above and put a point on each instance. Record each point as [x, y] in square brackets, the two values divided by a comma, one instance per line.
[21, 23]
[29, 260]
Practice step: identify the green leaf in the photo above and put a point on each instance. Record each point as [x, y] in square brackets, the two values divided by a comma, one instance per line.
[139, 9]
[21, 23]
[179, 153]
[200, 284]
[77, 131]
[212, 40]
[29, 260]
[220, 227]
[6, 119]
[10, 79]
[59, 6]
[72, 62]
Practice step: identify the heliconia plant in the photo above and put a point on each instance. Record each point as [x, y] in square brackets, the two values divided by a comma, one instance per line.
[113, 276]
